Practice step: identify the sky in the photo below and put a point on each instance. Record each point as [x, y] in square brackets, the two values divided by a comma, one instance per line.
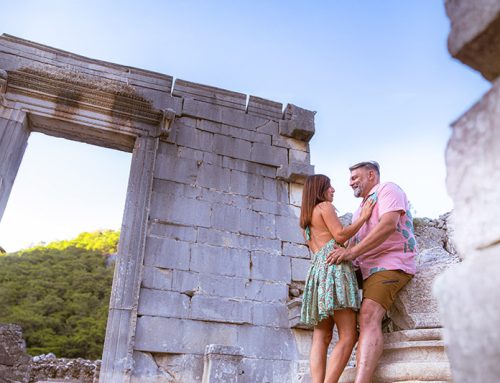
[377, 73]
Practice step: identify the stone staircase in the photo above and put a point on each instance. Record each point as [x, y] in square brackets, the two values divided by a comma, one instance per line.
[410, 356]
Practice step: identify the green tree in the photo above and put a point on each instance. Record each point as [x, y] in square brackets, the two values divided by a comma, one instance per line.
[59, 294]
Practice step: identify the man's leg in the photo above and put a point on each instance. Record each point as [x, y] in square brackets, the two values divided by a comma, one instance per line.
[371, 341]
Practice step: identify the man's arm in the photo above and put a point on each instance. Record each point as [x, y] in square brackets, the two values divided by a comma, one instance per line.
[384, 228]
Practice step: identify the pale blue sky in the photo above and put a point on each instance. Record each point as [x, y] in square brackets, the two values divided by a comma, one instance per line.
[377, 72]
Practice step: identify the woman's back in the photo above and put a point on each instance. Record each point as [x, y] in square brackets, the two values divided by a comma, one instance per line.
[320, 234]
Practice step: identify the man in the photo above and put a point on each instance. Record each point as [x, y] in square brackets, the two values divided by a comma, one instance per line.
[384, 250]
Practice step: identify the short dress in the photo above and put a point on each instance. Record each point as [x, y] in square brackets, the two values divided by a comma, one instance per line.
[328, 287]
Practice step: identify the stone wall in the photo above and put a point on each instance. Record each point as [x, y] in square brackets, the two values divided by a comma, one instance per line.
[468, 293]
[14, 362]
[223, 244]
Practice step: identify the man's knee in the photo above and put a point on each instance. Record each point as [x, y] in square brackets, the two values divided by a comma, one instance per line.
[371, 313]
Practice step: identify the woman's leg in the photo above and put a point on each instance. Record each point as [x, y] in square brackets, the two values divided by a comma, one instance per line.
[346, 328]
[322, 336]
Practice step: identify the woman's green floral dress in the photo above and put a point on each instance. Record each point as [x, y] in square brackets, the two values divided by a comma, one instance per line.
[328, 288]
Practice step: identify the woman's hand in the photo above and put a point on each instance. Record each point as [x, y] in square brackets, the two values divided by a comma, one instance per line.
[366, 210]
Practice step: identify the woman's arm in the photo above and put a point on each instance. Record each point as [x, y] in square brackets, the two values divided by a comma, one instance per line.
[342, 234]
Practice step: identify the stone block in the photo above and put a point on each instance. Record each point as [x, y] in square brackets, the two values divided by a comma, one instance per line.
[295, 172]
[181, 367]
[291, 143]
[217, 309]
[261, 342]
[167, 253]
[222, 364]
[472, 287]
[270, 314]
[415, 306]
[172, 189]
[226, 217]
[157, 278]
[268, 267]
[173, 168]
[214, 177]
[473, 176]
[300, 156]
[268, 155]
[275, 190]
[232, 147]
[246, 134]
[170, 304]
[209, 94]
[266, 291]
[146, 370]
[158, 334]
[172, 231]
[298, 123]
[249, 167]
[238, 241]
[222, 114]
[180, 210]
[296, 250]
[474, 38]
[266, 371]
[296, 194]
[220, 261]
[208, 284]
[185, 135]
[247, 184]
[265, 108]
[288, 229]
[300, 267]
[257, 224]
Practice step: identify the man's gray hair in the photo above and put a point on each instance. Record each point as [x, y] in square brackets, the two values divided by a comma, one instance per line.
[372, 165]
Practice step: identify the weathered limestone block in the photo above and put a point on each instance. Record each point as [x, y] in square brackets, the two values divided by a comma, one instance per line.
[475, 34]
[409, 356]
[222, 364]
[415, 306]
[472, 174]
[14, 361]
[262, 107]
[297, 123]
[468, 296]
[182, 336]
[167, 368]
[265, 370]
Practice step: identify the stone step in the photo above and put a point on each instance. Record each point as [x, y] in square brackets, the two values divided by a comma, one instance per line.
[405, 372]
[420, 351]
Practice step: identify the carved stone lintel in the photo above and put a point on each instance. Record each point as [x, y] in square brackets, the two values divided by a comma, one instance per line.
[168, 116]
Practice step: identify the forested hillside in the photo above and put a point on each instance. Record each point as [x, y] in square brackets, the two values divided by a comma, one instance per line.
[59, 294]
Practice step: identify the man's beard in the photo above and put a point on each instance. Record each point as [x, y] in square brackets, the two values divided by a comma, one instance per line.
[357, 191]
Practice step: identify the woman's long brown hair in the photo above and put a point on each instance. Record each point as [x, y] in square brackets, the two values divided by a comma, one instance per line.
[313, 193]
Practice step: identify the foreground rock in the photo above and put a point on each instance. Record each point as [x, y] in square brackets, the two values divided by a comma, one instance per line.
[48, 367]
[14, 362]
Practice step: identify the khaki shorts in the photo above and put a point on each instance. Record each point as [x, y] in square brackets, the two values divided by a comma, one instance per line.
[383, 286]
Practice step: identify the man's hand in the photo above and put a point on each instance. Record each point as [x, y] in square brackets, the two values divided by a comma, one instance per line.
[339, 255]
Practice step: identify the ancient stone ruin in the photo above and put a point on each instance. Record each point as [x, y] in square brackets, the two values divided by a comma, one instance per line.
[210, 265]
[469, 294]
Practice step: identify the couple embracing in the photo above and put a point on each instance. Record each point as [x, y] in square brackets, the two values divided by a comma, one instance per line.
[379, 245]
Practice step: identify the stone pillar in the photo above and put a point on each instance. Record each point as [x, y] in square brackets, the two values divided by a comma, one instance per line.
[222, 364]
[13, 141]
[468, 293]
[117, 363]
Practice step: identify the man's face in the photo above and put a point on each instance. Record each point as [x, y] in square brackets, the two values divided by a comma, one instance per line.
[360, 182]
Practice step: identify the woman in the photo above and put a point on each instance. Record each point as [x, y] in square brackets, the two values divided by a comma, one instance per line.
[331, 292]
